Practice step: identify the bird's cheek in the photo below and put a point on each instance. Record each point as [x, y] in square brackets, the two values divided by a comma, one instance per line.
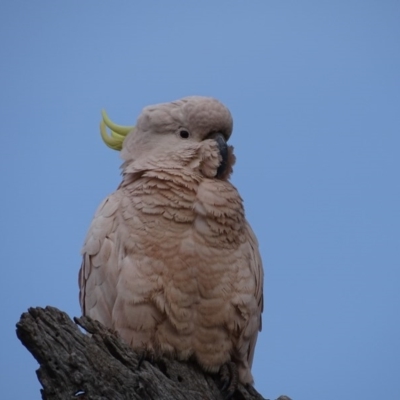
[210, 158]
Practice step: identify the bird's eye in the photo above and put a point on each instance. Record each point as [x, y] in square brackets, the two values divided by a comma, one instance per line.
[184, 134]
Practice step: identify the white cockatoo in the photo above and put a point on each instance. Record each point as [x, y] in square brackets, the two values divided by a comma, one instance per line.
[170, 261]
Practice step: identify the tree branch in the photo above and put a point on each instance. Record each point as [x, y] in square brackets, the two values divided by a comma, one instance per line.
[75, 365]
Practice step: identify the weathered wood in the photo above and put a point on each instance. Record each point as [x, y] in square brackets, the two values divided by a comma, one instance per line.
[75, 365]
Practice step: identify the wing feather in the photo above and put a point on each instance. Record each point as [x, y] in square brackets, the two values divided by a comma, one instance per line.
[257, 270]
[98, 273]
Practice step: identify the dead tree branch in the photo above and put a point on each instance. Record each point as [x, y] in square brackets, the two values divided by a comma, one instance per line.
[99, 366]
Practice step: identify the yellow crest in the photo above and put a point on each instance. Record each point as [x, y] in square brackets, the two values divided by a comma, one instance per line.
[117, 134]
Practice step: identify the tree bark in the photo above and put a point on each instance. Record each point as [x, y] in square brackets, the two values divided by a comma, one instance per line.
[100, 366]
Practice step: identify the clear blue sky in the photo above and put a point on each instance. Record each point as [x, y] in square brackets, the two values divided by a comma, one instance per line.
[314, 89]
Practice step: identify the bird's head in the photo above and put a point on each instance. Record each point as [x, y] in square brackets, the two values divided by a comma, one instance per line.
[190, 133]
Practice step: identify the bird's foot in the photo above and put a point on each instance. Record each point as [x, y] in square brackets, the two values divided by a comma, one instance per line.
[146, 355]
[229, 377]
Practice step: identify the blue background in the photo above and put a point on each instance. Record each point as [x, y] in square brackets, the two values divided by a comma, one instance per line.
[314, 89]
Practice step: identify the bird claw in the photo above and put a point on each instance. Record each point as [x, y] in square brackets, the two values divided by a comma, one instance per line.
[229, 377]
[145, 355]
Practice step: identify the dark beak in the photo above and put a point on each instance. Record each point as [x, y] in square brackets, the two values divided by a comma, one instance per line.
[223, 150]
